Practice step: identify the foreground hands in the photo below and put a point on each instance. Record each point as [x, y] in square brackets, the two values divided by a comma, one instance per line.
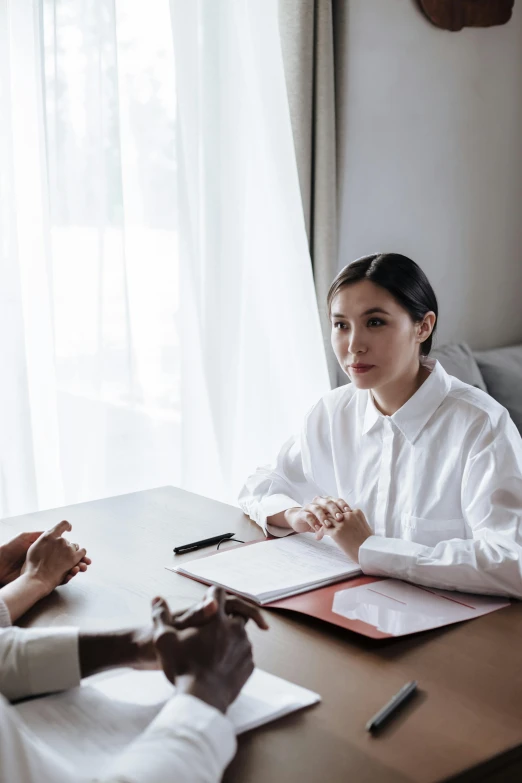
[204, 650]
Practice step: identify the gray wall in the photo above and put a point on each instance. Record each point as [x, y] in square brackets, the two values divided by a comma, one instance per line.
[431, 160]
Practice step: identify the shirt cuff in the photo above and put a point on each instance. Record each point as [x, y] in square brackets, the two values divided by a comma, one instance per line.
[394, 557]
[271, 505]
[5, 617]
[51, 659]
[187, 741]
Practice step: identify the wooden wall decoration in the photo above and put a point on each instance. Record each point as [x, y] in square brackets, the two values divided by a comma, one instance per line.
[456, 14]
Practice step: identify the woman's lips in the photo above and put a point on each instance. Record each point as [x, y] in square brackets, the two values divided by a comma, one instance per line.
[361, 368]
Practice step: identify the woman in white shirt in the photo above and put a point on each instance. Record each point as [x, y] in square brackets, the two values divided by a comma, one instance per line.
[415, 474]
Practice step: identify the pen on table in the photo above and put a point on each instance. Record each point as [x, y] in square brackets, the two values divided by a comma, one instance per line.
[178, 550]
[392, 707]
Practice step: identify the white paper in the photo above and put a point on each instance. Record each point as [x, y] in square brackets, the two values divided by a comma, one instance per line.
[275, 569]
[400, 608]
[89, 725]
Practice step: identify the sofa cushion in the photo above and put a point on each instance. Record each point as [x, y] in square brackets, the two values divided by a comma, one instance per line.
[458, 360]
[502, 371]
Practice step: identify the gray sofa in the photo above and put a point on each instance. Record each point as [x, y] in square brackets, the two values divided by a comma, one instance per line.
[498, 372]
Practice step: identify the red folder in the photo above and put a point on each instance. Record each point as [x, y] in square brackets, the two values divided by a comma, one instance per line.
[318, 603]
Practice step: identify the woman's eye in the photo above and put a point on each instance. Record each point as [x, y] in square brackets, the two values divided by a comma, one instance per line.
[375, 322]
[339, 325]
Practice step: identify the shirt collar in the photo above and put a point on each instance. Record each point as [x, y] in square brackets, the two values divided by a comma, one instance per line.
[418, 410]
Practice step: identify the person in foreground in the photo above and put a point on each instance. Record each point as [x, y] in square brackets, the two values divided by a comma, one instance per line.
[413, 473]
[32, 565]
[205, 651]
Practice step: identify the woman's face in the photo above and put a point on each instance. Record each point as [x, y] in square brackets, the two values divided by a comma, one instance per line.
[374, 338]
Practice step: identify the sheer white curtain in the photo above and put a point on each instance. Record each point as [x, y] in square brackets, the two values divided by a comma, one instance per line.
[158, 311]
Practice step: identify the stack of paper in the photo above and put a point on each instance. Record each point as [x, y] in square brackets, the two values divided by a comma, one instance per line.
[270, 570]
[89, 725]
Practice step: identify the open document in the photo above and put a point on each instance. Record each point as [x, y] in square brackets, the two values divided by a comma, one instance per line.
[89, 725]
[270, 570]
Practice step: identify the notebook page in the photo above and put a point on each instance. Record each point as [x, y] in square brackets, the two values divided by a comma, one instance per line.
[89, 725]
[271, 569]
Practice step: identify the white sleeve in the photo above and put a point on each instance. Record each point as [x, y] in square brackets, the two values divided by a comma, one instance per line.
[23, 757]
[5, 617]
[273, 489]
[491, 561]
[188, 742]
[290, 483]
[38, 660]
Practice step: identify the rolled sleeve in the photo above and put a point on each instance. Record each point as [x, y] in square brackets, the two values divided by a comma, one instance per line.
[490, 564]
[271, 490]
[394, 557]
[274, 505]
[35, 661]
[189, 742]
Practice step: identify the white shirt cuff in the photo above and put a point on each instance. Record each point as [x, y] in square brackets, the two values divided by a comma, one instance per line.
[271, 505]
[49, 660]
[394, 557]
[188, 741]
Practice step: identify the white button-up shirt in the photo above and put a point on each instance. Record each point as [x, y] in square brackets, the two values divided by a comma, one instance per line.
[188, 741]
[440, 482]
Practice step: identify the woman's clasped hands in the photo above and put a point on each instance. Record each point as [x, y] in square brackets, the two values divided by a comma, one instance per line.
[334, 517]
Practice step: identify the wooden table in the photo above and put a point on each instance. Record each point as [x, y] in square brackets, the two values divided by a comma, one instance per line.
[469, 710]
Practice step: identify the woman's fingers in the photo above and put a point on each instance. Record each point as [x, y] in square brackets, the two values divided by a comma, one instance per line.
[333, 506]
[321, 513]
[324, 513]
[341, 506]
[320, 534]
[327, 513]
[309, 518]
[328, 510]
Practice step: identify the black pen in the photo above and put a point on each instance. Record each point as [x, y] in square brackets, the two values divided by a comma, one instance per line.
[178, 550]
[392, 706]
